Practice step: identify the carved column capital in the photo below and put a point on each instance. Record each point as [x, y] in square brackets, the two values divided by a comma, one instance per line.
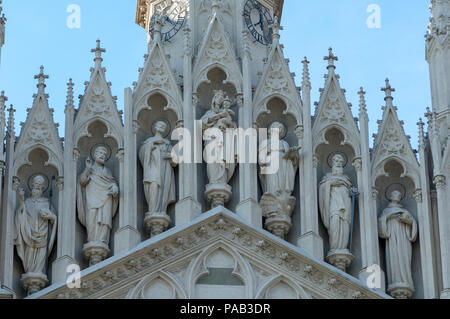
[357, 164]
[195, 99]
[375, 193]
[240, 100]
[76, 154]
[315, 161]
[179, 124]
[120, 155]
[15, 183]
[440, 181]
[299, 131]
[60, 183]
[418, 195]
[136, 127]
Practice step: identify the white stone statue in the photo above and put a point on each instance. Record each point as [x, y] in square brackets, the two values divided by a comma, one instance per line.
[97, 202]
[159, 178]
[219, 171]
[336, 211]
[277, 202]
[399, 228]
[35, 230]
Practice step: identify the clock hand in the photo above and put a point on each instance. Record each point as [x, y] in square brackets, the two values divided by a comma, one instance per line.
[166, 18]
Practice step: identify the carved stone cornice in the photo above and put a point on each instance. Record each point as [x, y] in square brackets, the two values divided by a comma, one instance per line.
[418, 196]
[180, 245]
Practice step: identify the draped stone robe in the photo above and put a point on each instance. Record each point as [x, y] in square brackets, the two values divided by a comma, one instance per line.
[399, 235]
[96, 207]
[283, 181]
[335, 208]
[158, 172]
[31, 234]
[222, 172]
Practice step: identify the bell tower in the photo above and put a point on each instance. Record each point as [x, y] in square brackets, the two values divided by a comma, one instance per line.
[239, 18]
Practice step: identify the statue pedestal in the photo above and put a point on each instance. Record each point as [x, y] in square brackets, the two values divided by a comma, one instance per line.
[279, 225]
[400, 291]
[157, 223]
[340, 259]
[96, 252]
[218, 194]
[33, 282]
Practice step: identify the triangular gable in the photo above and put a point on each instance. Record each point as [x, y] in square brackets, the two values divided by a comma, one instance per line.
[158, 77]
[98, 103]
[40, 130]
[216, 51]
[391, 141]
[277, 81]
[178, 257]
[333, 110]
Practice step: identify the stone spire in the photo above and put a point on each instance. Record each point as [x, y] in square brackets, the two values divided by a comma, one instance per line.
[421, 125]
[98, 54]
[331, 58]
[306, 78]
[11, 128]
[3, 100]
[388, 90]
[70, 100]
[41, 77]
[2, 29]
[362, 103]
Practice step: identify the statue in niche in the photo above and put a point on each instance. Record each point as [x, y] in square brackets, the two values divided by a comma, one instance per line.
[336, 210]
[97, 202]
[399, 228]
[159, 178]
[277, 202]
[35, 231]
[219, 170]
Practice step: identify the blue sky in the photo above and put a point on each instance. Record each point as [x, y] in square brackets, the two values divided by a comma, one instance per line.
[37, 34]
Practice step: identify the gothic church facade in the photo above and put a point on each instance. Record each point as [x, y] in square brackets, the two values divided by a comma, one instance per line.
[338, 219]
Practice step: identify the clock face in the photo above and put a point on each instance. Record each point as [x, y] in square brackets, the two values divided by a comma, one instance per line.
[171, 15]
[259, 21]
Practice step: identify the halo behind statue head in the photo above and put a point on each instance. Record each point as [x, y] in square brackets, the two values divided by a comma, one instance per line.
[168, 128]
[45, 178]
[333, 154]
[285, 131]
[395, 187]
[105, 146]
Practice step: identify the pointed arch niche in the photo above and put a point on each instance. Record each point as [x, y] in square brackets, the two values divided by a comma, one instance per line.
[335, 141]
[216, 79]
[275, 110]
[155, 108]
[28, 164]
[220, 272]
[393, 175]
[94, 133]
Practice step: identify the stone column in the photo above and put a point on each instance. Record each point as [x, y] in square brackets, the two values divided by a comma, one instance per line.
[67, 216]
[248, 208]
[7, 239]
[188, 207]
[444, 226]
[11, 185]
[425, 219]
[310, 239]
[128, 236]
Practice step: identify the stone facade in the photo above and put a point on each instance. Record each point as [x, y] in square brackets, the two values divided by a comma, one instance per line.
[139, 224]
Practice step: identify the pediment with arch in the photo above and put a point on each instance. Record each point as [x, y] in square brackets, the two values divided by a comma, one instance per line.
[277, 82]
[333, 111]
[157, 78]
[216, 52]
[216, 251]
